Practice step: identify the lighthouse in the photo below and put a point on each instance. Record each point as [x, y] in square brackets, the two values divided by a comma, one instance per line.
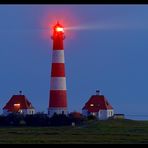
[58, 92]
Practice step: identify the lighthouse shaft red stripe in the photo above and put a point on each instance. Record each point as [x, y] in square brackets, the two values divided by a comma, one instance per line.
[58, 98]
[58, 43]
[58, 70]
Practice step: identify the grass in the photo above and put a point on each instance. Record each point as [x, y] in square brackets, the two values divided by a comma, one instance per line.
[112, 131]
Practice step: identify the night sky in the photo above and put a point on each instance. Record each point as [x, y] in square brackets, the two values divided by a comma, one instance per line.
[108, 52]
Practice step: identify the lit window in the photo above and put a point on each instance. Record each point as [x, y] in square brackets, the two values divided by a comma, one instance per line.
[91, 104]
[17, 105]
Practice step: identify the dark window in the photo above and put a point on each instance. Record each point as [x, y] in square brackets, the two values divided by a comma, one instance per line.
[107, 103]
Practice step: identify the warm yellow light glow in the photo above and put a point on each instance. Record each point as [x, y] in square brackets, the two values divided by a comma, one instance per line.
[17, 105]
[58, 29]
[91, 104]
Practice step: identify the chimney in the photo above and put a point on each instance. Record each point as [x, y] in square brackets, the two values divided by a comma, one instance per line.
[20, 92]
[97, 92]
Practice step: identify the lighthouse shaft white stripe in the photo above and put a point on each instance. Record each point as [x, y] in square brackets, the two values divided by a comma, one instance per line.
[58, 110]
[58, 83]
[58, 56]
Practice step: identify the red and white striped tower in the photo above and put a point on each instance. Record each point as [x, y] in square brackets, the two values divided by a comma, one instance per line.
[58, 92]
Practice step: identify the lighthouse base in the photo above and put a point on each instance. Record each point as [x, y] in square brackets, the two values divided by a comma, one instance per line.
[56, 110]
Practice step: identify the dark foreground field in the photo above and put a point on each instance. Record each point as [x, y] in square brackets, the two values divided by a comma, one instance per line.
[124, 131]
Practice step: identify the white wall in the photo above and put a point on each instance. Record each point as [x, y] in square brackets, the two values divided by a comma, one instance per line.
[105, 114]
[29, 111]
[110, 113]
[102, 115]
[56, 110]
[23, 111]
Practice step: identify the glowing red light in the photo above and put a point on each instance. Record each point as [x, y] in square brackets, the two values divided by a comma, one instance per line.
[58, 27]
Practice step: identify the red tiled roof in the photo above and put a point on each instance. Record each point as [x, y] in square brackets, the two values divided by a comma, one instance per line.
[18, 99]
[99, 103]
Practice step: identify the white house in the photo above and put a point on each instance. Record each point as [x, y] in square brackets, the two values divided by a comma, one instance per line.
[18, 104]
[98, 106]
